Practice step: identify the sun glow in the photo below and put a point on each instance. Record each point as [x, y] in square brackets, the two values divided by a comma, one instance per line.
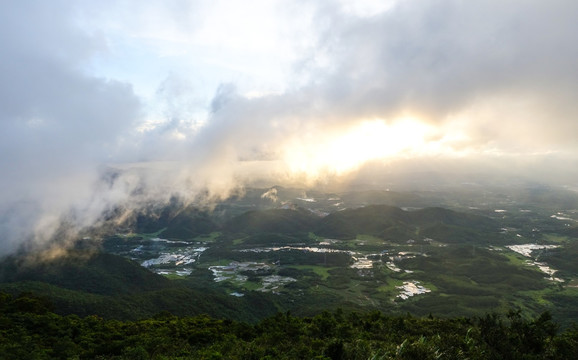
[346, 150]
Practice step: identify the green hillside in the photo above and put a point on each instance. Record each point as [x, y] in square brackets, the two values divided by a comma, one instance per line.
[272, 221]
[29, 330]
[395, 224]
[118, 288]
[371, 220]
[188, 224]
[97, 273]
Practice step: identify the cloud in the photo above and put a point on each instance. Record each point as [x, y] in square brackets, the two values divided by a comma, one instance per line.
[497, 78]
[446, 59]
[56, 123]
[81, 131]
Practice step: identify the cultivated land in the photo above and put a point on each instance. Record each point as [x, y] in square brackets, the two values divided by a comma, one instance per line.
[471, 254]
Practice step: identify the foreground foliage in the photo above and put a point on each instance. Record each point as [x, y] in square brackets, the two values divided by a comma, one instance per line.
[29, 330]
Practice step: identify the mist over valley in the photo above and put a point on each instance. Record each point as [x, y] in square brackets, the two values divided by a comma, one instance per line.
[278, 179]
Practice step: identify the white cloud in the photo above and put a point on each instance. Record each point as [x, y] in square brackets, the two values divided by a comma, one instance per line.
[86, 84]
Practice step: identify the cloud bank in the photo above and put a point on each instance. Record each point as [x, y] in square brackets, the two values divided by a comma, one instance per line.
[117, 104]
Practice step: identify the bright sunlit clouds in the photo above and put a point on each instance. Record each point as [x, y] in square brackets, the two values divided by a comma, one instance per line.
[346, 150]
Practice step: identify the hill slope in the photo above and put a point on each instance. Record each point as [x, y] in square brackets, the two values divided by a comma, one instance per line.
[99, 273]
[114, 287]
[272, 221]
[395, 224]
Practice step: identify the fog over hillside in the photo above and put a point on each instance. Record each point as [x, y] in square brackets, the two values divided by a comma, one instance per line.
[112, 105]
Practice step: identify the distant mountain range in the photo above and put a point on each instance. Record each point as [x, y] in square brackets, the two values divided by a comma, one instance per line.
[383, 221]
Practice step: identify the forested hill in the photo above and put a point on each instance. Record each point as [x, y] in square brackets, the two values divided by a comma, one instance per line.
[29, 330]
[282, 221]
[97, 273]
[384, 221]
[393, 223]
[114, 287]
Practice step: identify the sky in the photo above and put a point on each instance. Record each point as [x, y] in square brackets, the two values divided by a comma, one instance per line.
[121, 103]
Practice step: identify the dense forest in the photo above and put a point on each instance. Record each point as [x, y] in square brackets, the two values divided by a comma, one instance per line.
[30, 330]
